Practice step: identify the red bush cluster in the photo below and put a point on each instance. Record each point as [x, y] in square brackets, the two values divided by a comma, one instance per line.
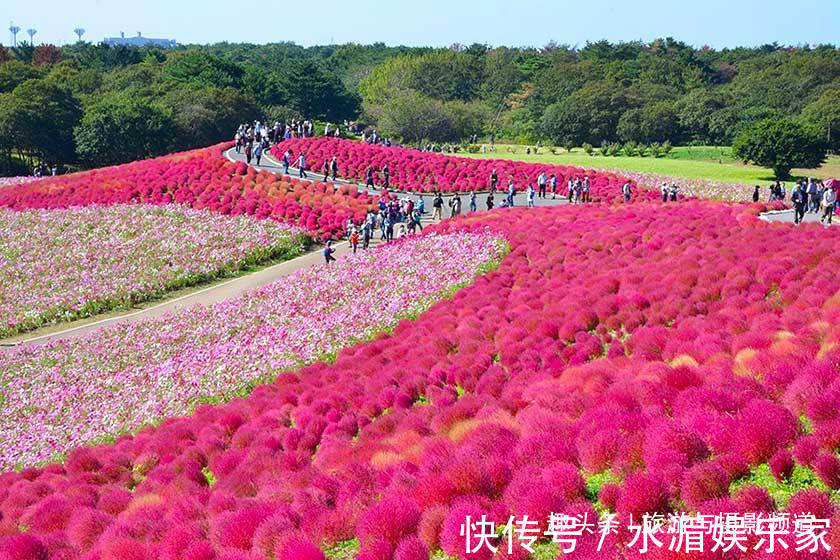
[417, 171]
[676, 347]
[201, 179]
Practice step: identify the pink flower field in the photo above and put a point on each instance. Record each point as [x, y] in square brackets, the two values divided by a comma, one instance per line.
[69, 393]
[621, 359]
[64, 264]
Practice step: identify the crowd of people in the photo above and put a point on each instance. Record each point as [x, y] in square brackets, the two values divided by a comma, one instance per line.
[253, 139]
[397, 217]
[807, 196]
[814, 197]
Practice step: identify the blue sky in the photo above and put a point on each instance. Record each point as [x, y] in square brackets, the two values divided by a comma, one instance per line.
[719, 23]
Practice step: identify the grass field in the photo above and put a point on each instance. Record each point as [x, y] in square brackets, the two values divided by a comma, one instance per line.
[690, 162]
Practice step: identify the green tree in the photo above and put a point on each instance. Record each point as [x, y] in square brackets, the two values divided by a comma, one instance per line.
[120, 129]
[467, 118]
[389, 79]
[197, 67]
[205, 116]
[412, 117]
[824, 113]
[630, 126]
[780, 144]
[565, 123]
[315, 91]
[38, 117]
[13, 73]
[446, 75]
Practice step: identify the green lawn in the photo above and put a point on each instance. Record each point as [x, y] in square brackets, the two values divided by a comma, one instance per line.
[690, 162]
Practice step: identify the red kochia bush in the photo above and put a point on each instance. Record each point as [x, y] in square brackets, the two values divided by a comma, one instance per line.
[704, 482]
[781, 464]
[413, 170]
[22, 547]
[641, 494]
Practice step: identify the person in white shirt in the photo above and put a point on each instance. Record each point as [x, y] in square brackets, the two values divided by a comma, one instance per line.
[828, 199]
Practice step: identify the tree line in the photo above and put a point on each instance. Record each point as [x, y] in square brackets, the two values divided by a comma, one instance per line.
[88, 105]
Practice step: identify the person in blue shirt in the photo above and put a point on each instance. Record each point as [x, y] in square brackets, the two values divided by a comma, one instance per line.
[286, 156]
[328, 253]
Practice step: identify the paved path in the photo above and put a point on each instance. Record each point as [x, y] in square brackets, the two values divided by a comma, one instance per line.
[788, 215]
[268, 163]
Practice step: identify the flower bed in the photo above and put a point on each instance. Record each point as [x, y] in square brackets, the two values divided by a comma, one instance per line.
[413, 170]
[635, 358]
[68, 393]
[697, 188]
[201, 179]
[60, 265]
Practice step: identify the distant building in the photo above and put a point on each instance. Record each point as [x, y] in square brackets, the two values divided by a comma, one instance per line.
[139, 41]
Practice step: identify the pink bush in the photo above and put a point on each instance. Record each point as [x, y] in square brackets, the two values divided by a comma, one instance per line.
[416, 171]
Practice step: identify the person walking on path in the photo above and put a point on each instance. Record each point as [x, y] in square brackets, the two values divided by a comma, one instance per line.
[416, 216]
[328, 253]
[437, 205]
[389, 229]
[367, 233]
[354, 240]
[511, 192]
[542, 180]
[334, 168]
[755, 194]
[386, 174]
[664, 192]
[383, 226]
[813, 196]
[473, 206]
[453, 201]
[828, 199]
[369, 178]
[287, 156]
[302, 166]
[553, 182]
[530, 192]
[585, 189]
[248, 153]
[421, 204]
[489, 201]
[325, 170]
[800, 201]
[674, 190]
[258, 151]
[494, 180]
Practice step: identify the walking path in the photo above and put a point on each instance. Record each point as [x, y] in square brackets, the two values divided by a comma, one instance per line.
[268, 163]
[788, 215]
